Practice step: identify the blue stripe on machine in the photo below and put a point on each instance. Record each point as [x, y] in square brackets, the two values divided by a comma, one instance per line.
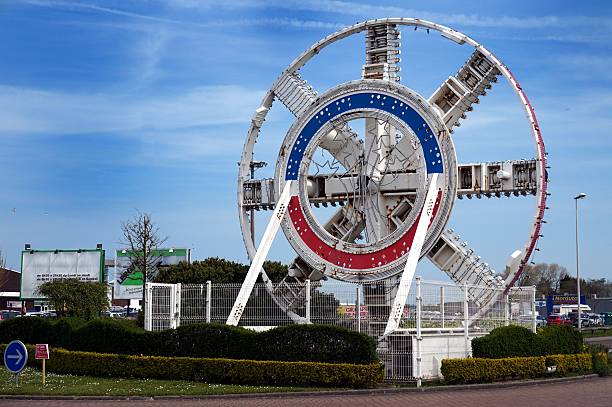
[367, 100]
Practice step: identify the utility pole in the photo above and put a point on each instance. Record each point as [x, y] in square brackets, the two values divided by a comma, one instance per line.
[576, 198]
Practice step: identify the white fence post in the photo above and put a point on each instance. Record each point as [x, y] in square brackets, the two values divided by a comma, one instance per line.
[358, 308]
[148, 308]
[307, 301]
[177, 305]
[466, 317]
[419, 338]
[506, 310]
[172, 308]
[534, 321]
[442, 304]
[208, 300]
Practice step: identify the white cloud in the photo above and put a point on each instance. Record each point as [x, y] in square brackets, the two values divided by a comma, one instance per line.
[378, 10]
[473, 20]
[35, 111]
[91, 7]
[169, 149]
[599, 28]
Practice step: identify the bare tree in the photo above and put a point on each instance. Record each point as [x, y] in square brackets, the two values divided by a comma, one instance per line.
[141, 236]
[545, 277]
[4, 275]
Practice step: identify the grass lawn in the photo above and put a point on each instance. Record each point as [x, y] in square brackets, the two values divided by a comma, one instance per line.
[592, 333]
[30, 383]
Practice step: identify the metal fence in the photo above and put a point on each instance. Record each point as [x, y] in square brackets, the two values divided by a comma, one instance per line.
[438, 322]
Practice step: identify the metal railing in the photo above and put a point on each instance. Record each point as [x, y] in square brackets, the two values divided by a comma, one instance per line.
[439, 320]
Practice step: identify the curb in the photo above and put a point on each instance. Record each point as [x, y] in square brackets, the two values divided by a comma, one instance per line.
[371, 392]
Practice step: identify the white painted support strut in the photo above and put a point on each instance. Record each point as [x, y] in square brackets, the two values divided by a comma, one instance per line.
[260, 255]
[413, 257]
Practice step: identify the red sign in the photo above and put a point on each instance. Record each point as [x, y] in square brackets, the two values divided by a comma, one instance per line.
[363, 310]
[42, 351]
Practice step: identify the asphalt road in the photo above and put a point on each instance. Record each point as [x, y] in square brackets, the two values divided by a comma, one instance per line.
[603, 340]
[596, 392]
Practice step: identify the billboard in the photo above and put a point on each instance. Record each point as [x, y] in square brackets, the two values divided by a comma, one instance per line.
[40, 266]
[128, 283]
[565, 299]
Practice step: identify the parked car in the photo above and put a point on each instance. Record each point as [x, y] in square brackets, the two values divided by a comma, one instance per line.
[34, 314]
[113, 314]
[558, 319]
[585, 321]
[8, 314]
[540, 321]
[595, 320]
[606, 317]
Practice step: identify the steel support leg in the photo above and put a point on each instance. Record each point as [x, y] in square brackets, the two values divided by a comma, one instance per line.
[413, 257]
[260, 256]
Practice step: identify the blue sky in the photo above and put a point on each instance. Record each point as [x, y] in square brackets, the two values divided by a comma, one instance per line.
[111, 106]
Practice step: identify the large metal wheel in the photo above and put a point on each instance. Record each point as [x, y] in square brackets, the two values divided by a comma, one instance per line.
[362, 158]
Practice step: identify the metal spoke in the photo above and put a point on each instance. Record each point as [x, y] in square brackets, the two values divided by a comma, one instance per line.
[455, 97]
[297, 95]
[400, 180]
[497, 179]
[463, 266]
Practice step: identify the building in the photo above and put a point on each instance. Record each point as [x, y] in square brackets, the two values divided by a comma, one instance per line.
[600, 305]
[10, 290]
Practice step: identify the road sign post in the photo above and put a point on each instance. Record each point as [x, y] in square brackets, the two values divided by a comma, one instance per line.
[42, 352]
[15, 358]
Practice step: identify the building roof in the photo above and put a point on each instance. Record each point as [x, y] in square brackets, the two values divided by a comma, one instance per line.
[9, 280]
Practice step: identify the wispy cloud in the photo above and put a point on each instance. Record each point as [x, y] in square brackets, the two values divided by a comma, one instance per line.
[368, 11]
[35, 111]
[175, 148]
[280, 21]
[599, 28]
[150, 51]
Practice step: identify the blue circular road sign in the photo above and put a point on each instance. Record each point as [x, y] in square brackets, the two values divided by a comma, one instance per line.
[15, 356]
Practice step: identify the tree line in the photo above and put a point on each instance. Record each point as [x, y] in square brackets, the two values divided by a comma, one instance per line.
[553, 278]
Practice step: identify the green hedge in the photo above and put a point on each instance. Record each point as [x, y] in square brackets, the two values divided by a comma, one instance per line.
[581, 363]
[480, 370]
[228, 371]
[506, 342]
[324, 343]
[561, 339]
[517, 341]
[601, 363]
[308, 343]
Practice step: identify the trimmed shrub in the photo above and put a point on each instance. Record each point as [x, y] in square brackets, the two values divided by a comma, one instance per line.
[507, 341]
[28, 330]
[216, 341]
[106, 335]
[567, 364]
[517, 341]
[63, 329]
[322, 343]
[229, 371]
[601, 364]
[599, 357]
[477, 370]
[561, 339]
[309, 343]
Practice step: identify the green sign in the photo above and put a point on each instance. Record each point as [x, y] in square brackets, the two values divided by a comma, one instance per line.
[129, 280]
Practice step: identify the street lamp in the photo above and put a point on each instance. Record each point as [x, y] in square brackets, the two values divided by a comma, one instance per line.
[576, 198]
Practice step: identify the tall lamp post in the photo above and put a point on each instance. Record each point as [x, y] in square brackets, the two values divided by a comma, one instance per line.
[576, 198]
